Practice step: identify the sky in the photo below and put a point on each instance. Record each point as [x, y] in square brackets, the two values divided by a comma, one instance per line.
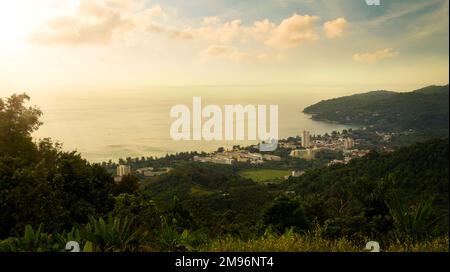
[70, 45]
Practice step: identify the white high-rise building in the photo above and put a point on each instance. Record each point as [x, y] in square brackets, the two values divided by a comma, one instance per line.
[306, 139]
[349, 143]
[123, 170]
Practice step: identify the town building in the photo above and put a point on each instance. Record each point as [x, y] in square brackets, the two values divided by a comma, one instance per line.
[297, 173]
[269, 157]
[151, 172]
[306, 139]
[289, 145]
[307, 154]
[336, 162]
[141, 171]
[123, 170]
[214, 159]
[349, 143]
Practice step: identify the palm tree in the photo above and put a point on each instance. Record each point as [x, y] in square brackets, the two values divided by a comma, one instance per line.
[115, 234]
[412, 222]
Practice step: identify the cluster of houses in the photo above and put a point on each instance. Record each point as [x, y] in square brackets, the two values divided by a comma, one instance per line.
[124, 170]
[335, 144]
[306, 148]
[229, 157]
[151, 172]
[350, 155]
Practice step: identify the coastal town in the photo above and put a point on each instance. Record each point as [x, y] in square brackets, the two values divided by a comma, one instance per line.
[305, 147]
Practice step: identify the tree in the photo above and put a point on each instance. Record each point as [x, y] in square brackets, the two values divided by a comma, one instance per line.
[17, 122]
[128, 185]
[41, 183]
[413, 222]
[144, 210]
[113, 235]
[285, 213]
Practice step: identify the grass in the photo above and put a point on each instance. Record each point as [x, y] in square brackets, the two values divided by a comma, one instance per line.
[262, 175]
[291, 242]
[199, 191]
[115, 235]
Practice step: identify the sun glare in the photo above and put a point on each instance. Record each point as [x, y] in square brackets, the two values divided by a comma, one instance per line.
[13, 22]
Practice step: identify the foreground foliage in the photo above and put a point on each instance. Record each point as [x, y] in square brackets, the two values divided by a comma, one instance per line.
[116, 235]
[311, 243]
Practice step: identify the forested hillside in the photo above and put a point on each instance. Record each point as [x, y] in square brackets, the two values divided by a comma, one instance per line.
[381, 193]
[423, 109]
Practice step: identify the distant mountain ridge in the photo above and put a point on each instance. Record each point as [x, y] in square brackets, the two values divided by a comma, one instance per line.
[422, 109]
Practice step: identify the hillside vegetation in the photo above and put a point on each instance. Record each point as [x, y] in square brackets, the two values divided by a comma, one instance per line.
[423, 109]
[381, 195]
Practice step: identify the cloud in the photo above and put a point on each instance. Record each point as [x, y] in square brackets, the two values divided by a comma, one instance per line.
[401, 9]
[224, 52]
[226, 38]
[100, 22]
[94, 22]
[153, 27]
[335, 29]
[291, 32]
[211, 20]
[431, 23]
[144, 19]
[261, 30]
[212, 30]
[372, 57]
[155, 11]
[124, 5]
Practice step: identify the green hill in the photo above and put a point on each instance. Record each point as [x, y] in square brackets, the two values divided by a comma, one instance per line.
[419, 110]
[218, 201]
[362, 196]
[381, 196]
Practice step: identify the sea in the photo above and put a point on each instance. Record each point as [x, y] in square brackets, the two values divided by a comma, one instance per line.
[110, 124]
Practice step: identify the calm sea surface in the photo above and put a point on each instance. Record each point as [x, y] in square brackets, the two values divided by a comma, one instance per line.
[105, 125]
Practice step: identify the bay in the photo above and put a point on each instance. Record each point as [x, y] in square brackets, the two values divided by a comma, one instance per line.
[113, 124]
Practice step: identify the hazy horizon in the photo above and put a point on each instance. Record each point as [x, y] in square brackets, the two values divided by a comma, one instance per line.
[106, 72]
[93, 122]
[137, 123]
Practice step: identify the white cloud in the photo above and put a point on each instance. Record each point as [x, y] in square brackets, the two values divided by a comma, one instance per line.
[144, 18]
[335, 29]
[124, 5]
[372, 57]
[154, 11]
[262, 29]
[291, 32]
[94, 22]
[99, 22]
[212, 20]
[224, 52]
[212, 30]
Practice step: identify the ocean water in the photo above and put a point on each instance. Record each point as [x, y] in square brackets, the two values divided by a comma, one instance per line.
[104, 125]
